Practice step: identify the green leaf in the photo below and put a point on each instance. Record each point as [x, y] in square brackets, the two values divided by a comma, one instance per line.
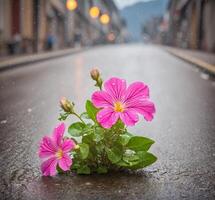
[91, 110]
[129, 134]
[100, 147]
[114, 154]
[76, 129]
[146, 159]
[88, 129]
[88, 139]
[138, 160]
[84, 115]
[63, 116]
[124, 139]
[83, 170]
[84, 150]
[102, 170]
[98, 137]
[122, 163]
[131, 158]
[75, 166]
[139, 143]
[98, 134]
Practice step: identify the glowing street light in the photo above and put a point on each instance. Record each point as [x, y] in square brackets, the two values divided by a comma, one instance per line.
[71, 4]
[104, 19]
[94, 12]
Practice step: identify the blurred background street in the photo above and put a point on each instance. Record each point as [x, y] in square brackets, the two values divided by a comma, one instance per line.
[47, 49]
[30, 26]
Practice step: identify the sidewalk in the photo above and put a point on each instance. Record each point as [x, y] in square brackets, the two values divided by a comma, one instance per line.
[12, 61]
[204, 60]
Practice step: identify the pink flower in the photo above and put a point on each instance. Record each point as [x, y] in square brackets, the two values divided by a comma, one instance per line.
[55, 150]
[120, 102]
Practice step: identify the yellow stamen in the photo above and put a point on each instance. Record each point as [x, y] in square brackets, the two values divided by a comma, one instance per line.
[59, 154]
[119, 107]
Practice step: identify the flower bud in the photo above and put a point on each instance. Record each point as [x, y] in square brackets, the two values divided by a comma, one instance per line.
[66, 105]
[95, 74]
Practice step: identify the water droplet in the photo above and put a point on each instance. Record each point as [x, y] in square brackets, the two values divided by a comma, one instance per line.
[29, 110]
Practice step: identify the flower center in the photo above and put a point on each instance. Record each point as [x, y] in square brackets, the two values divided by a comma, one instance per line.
[59, 154]
[119, 107]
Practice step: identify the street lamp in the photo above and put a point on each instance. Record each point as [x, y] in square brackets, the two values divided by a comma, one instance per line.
[94, 12]
[104, 19]
[71, 4]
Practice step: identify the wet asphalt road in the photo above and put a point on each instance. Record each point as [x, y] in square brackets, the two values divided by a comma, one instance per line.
[183, 128]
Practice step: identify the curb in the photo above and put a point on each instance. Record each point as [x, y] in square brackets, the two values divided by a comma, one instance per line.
[27, 59]
[193, 60]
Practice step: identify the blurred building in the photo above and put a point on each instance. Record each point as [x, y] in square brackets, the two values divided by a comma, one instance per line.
[151, 31]
[186, 24]
[192, 24]
[28, 26]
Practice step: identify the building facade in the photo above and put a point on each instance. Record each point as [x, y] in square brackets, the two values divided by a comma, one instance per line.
[192, 24]
[30, 26]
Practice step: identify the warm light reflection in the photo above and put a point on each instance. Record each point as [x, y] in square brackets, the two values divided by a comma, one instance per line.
[94, 12]
[105, 19]
[71, 4]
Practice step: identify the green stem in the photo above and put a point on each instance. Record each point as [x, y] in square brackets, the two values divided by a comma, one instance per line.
[99, 83]
[79, 118]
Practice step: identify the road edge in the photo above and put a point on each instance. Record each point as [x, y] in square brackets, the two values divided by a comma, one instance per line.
[193, 60]
[33, 58]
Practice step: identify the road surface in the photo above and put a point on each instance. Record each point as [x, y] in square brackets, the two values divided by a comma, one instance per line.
[183, 128]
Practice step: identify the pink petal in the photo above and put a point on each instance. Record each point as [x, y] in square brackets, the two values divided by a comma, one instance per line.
[68, 145]
[129, 117]
[145, 108]
[65, 163]
[116, 88]
[48, 167]
[136, 91]
[58, 134]
[47, 147]
[101, 99]
[107, 117]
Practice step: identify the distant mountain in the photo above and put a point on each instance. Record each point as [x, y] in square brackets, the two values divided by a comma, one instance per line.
[137, 14]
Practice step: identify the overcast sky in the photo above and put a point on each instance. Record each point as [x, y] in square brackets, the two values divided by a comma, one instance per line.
[123, 3]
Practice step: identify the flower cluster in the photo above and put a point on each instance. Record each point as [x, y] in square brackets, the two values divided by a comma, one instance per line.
[99, 141]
